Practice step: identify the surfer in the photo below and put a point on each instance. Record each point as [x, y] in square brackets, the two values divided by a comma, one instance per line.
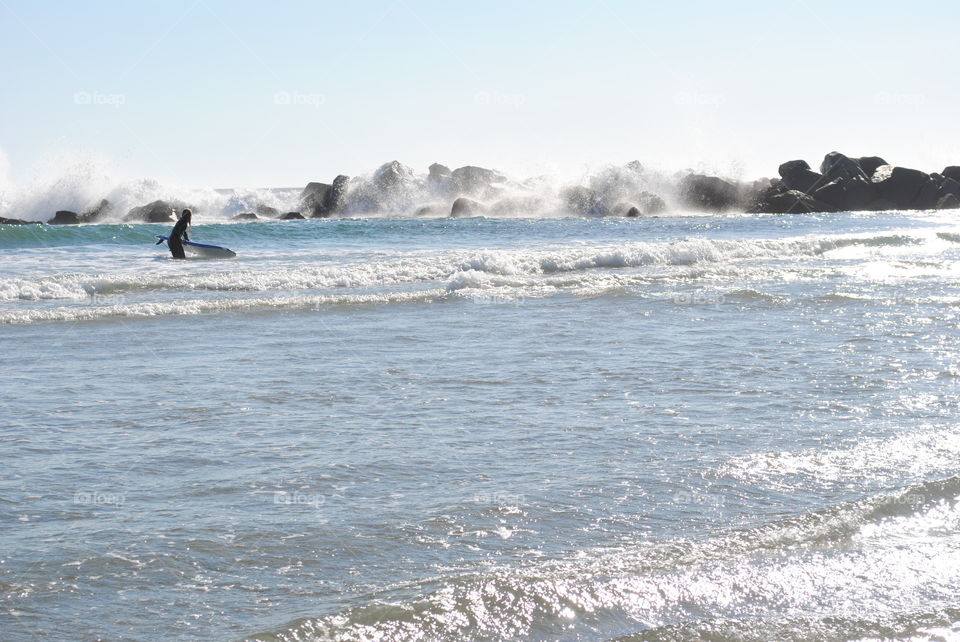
[179, 234]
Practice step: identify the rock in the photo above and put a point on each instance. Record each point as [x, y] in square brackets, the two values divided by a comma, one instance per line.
[833, 194]
[391, 175]
[336, 196]
[245, 216]
[859, 195]
[267, 211]
[312, 199]
[97, 213]
[949, 186]
[464, 207]
[899, 185]
[869, 164]
[292, 216]
[953, 171]
[949, 202]
[155, 212]
[779, 201]
[438, 171]
[633, 212]
[65, 217]
[17, 221]
[835, 165]
[929, 195]
[789, 167]
[796, 177]
[708, 193]
[475, 181]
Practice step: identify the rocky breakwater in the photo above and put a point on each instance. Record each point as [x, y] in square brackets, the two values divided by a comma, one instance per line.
[867, 183]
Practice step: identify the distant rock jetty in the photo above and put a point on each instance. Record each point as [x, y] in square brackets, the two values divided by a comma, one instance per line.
[846, 184]
[843, 183]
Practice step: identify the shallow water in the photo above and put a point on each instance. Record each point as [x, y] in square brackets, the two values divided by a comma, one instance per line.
[734, 427]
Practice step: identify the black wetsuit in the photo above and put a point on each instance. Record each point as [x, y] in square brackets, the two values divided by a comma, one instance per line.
[174, 242]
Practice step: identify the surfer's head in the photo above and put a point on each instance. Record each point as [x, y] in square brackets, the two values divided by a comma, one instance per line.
[187, 213]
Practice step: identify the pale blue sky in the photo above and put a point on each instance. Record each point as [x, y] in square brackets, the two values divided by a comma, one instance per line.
[206, 92]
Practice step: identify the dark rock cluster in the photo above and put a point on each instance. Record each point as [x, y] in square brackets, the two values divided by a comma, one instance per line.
[846, 184]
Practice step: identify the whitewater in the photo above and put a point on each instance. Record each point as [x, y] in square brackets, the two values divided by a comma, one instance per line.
[734, 427]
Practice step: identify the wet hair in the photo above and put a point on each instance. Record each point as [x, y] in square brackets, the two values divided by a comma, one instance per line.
[186, 212]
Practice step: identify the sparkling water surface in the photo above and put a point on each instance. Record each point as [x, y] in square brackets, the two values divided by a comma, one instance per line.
[685, 428]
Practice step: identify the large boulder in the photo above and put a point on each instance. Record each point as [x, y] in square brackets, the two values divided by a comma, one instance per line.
[953, 171]
[245, 216]
[465, 207]
[267, 211]
[708, 193]
[440, 179]
[475, 181]
[899, 185]
[949, 186]
[833, 194]
[837, 166]
[859, 195]
[438, 171]
[155, 212]
[789, 167]
[97, 213]
[336, 196]
[779, 201]
[292, 216]
[312, 200]
[797, 175]
[928, 196]
[948, 202]
[65, 217]
[869, 164]
[391, 175]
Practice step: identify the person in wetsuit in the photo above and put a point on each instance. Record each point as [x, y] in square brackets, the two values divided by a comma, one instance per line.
[179, 234]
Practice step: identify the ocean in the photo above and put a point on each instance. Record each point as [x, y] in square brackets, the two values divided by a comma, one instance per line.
[738, 427]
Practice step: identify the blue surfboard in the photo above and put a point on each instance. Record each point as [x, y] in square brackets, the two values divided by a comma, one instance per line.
[202, 249]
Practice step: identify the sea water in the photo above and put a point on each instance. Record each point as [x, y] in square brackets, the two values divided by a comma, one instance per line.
[726, 428]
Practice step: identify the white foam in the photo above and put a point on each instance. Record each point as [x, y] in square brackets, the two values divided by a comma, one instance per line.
[202, 306]
[457, 269]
